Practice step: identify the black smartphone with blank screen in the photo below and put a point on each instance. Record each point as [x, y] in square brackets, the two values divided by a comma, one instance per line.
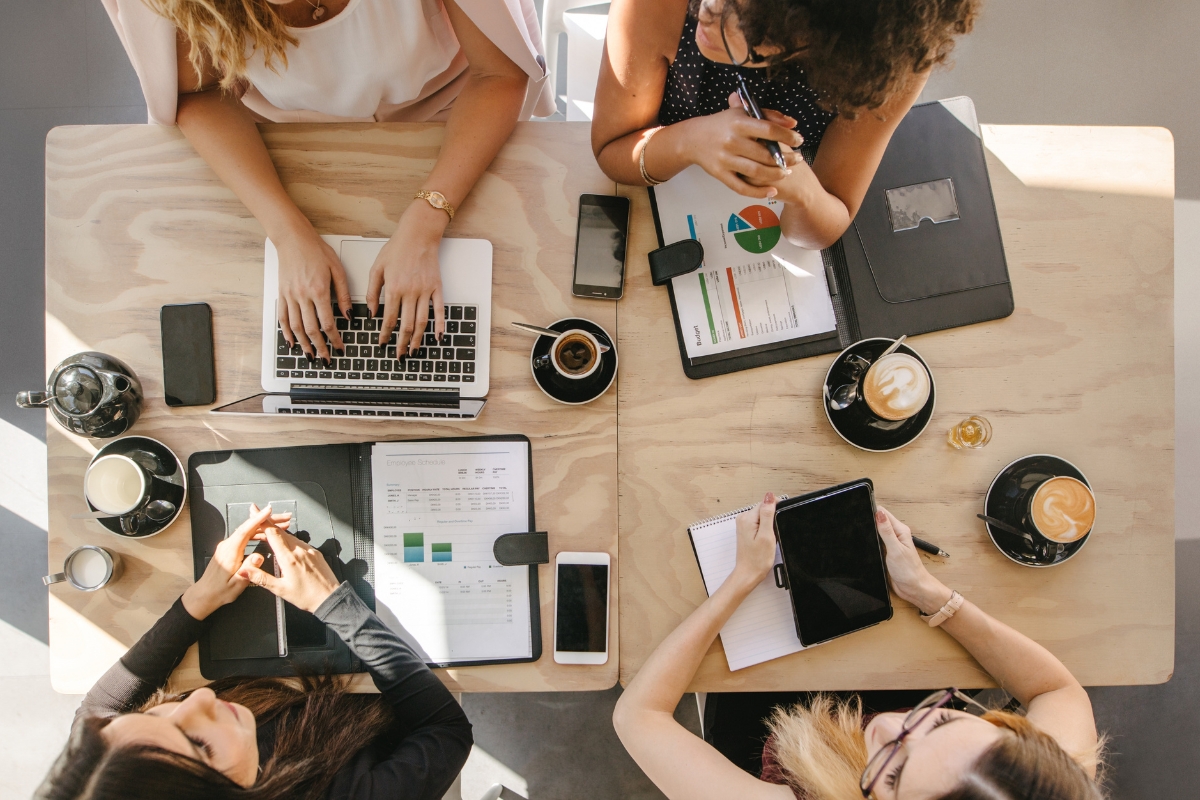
[833, 561]
[189, 377]
[600, 238]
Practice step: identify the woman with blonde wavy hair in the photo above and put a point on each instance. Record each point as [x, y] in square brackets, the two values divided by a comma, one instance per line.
[215, 67]
[822, 747]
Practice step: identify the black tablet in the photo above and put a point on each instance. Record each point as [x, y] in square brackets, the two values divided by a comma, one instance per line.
[833, 562]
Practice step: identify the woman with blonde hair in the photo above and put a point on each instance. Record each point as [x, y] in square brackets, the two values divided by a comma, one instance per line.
[826, 749]
[215, 67]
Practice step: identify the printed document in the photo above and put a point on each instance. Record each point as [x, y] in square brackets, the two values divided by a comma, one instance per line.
[755, 287]
[438, 508]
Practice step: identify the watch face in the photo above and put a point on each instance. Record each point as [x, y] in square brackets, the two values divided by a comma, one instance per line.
[438, 199]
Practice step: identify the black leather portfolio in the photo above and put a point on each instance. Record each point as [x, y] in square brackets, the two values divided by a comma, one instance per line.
[923, 253]
[328, 488]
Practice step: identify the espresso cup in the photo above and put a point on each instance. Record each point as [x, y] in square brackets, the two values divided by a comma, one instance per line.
[575, 354]
[116, 484]
[896, 387]
[1062, 509]
[88, 568]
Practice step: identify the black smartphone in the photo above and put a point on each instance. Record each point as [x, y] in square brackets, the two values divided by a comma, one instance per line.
[189, 378]
[600, 246]
[833, 562]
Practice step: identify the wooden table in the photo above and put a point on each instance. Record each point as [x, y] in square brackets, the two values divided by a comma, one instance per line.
[135, 219]
[1083, 369]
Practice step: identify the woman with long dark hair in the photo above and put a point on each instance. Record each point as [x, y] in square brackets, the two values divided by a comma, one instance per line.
[834, 76]
[264, 738]
[820, 747]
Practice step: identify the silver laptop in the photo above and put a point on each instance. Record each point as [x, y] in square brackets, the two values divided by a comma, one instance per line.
[374, 379]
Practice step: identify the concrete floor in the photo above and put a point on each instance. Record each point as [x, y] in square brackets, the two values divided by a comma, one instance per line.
[1071, 62]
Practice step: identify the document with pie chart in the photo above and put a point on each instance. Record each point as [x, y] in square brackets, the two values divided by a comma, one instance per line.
[756, 289]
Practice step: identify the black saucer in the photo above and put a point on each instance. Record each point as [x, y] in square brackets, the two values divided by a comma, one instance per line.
[569, 390]
[1008, 499]
[172, 486]
[856, 424]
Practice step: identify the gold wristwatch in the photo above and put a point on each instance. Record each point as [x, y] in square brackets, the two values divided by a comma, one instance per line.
[437, 200]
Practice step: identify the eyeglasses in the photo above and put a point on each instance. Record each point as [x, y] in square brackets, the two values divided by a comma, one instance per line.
[879, 762]
[752, 55]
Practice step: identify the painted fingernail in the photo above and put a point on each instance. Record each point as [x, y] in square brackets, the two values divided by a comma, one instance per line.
[880, 516]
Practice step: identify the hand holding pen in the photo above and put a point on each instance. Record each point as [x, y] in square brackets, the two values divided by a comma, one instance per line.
[750, 106]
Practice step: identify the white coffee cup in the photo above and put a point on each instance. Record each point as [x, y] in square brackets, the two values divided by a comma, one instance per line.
[562, 346]
[116, 484]
[88, 568]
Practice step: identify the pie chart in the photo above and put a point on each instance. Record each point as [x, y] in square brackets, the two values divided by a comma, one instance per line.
[756, 229]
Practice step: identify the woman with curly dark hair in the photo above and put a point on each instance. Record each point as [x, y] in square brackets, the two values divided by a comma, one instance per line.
[264, 738]
[833, 76]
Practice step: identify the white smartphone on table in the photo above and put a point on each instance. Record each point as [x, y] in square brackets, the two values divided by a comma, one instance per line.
[581, 608]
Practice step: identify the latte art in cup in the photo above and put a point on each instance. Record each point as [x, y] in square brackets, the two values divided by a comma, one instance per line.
[896, 386]
[1063, 509]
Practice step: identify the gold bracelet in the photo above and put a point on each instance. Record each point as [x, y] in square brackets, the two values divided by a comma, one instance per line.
[642, 159]
[437, 200]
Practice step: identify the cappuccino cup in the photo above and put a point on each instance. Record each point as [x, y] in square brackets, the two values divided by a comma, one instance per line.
[896, 387]
[575, 354]
[88, 568]
[116, 485]
[1063, 509]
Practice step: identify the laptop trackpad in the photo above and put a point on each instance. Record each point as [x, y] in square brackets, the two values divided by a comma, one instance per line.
[358, 256]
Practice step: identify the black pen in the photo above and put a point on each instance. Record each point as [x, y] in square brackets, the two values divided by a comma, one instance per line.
[750, 105]
[929, 547]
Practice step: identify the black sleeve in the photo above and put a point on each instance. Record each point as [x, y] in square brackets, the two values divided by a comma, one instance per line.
[144, 669]
[437, 736]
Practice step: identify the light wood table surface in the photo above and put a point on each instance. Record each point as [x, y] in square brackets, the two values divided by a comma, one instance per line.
[135, 219]
[1083, 369]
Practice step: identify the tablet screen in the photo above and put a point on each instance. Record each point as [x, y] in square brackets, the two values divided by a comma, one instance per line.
[834, 562]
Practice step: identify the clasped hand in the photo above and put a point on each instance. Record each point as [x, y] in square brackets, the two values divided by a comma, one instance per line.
[305, 579]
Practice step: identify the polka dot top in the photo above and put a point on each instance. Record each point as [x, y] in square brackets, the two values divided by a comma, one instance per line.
[697, 87]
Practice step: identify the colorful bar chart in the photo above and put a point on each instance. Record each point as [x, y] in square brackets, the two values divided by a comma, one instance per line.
[440, 551]
[414, 547]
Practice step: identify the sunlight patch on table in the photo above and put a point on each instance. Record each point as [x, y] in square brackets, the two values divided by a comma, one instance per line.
[1103, 162]
[82, 650]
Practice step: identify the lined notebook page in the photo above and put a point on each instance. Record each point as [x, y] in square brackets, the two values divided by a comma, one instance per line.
[762, 628]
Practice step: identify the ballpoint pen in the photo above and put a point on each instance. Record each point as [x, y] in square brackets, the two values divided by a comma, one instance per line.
[750, 105]
[929, 547]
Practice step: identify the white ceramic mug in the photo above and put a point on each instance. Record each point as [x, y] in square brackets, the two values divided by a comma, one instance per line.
[116, 484]
[550, 360]
[88, 568]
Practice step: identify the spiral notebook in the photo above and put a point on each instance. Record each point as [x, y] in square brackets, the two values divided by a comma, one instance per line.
[763, 626]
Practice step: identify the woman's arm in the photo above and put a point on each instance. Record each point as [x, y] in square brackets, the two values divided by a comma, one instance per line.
[406, 275]
[821, 201]
[223, 133]
[680, 764]
[641, 43]
[436, 736]
[1055, 701]
[145, 668]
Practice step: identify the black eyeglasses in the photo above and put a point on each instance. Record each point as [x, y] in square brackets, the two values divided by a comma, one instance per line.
[752, 55]
[879, 762]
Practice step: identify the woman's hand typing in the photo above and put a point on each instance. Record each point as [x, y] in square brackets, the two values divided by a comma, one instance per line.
[407, 279]
[307, 268]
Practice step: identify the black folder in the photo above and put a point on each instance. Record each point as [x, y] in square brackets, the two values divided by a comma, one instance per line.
[331, 485]
[923, 254]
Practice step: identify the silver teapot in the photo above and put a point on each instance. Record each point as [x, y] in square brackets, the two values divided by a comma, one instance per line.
[91, 394]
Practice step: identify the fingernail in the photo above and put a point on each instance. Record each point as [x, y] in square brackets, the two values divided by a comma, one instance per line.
[789, 172]
[880, 516]
[769, 498]
[772, 192]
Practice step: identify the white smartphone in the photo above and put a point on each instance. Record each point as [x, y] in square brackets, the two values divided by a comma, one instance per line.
[581, 608]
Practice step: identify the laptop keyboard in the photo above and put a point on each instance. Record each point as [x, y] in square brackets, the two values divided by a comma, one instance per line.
[367, 360]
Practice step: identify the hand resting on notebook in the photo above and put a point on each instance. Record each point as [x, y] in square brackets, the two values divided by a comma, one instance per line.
[222, 581]
[305, 578]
